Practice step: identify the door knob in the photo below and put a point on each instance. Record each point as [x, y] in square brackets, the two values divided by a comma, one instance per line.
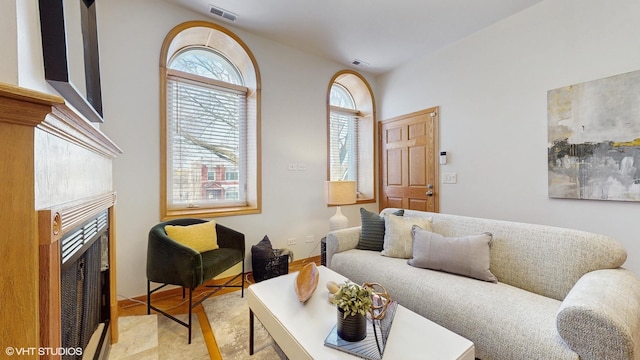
[429, 193]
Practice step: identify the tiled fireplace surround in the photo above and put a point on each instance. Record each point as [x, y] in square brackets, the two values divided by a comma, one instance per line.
[55, 173]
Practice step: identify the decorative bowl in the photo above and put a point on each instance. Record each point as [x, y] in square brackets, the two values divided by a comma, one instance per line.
[307, 282]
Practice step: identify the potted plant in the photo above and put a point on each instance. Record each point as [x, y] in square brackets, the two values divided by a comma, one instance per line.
[353, 303]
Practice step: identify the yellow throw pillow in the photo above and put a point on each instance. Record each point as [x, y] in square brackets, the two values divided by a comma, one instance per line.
[200, 237]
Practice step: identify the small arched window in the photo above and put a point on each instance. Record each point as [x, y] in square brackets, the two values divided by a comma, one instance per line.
[206, 62]
[350, 129]
[340, 97]
[210, 122]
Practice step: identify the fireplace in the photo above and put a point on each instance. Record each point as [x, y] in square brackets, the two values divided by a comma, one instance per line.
[84, 288]
[56, 176]
[77, 278]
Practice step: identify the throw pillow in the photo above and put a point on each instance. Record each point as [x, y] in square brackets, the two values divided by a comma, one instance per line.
[263, 249]
[200, 237]
[372, 230]
[466, 255]
[398, 241]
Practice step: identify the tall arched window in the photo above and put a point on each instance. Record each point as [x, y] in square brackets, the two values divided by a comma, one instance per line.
[210, 121]
[350, 133]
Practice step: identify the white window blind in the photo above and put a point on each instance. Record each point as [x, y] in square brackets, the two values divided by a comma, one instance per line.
[343, 140]
[206, 144]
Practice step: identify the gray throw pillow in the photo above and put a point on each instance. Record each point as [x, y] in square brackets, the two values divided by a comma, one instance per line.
[372, 231]
[466, 255]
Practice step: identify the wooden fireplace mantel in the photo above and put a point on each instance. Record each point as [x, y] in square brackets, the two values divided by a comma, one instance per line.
[28, 299]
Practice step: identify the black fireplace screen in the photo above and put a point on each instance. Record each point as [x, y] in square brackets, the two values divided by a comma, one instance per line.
[82, 291]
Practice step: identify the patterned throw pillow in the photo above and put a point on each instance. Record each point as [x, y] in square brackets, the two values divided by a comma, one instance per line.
[466, 255]
[372, 231]
[200, 237]
[398, 241]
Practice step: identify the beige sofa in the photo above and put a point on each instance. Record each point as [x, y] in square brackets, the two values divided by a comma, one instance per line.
[561, 294]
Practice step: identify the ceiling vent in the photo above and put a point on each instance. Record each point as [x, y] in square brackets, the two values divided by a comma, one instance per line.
[222, 13]
[359, 63]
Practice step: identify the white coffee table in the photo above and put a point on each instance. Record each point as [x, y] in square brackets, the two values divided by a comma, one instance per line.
[300, 329]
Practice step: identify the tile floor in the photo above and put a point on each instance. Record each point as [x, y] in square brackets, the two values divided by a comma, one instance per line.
[151, 337]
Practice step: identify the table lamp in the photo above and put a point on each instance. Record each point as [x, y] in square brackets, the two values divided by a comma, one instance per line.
[339, 193]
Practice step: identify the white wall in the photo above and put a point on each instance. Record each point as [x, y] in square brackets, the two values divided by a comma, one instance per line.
[30, 61]
[491, 88]
[294, 86]
[8, 41]
[21, 60]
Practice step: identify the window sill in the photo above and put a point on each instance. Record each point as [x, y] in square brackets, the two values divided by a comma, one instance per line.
[208, 213]
[365, 201]
[359, 201]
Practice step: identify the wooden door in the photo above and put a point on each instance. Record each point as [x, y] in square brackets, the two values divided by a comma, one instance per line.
[408, 161]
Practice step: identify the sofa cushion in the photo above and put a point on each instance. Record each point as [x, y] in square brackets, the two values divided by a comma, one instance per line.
[372, 232]
[398, 242]
[466, 255]
[200, 237]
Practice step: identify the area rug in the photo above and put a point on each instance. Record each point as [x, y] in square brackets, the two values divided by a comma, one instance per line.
[228, 315]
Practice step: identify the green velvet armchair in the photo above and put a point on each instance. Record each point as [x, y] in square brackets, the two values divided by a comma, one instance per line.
[171, 263]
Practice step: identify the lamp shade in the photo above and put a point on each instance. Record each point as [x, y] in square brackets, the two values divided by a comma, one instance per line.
[340, 192]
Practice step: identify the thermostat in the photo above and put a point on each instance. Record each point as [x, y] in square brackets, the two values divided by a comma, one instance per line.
[443, 157]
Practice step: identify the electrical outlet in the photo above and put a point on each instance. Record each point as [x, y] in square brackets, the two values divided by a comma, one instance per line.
[309, 238]
[292, 167]
[291, 241]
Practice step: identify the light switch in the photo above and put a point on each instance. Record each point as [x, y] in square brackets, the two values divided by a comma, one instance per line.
[449, 178]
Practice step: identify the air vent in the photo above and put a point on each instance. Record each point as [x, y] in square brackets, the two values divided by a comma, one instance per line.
[222, 13]
[73, 242]
[360, 63]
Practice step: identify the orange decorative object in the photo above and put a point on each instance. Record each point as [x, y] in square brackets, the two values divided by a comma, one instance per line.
[381, 300]
[307, 282]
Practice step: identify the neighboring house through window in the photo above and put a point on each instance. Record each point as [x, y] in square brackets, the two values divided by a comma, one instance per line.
[210, 98]
[350, 129]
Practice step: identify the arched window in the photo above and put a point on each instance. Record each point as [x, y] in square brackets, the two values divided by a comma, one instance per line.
[210, 119]
[350, 130]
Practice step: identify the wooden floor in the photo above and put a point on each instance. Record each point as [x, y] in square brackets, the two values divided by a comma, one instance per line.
[172, 302]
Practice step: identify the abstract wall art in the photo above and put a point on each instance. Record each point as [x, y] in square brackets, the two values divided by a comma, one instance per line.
[594, 139]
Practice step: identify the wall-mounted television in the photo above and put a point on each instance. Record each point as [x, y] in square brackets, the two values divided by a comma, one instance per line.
[70, 51]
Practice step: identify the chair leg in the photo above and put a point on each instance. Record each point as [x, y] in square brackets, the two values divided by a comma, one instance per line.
[242, 291]
[163, 312]
[183, 292]
[190, 299]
